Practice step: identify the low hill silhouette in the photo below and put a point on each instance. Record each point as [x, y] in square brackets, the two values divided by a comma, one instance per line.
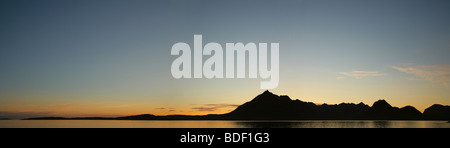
[268, 106]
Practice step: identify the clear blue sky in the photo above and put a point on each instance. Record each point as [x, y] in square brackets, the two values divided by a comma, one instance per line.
[112, 57]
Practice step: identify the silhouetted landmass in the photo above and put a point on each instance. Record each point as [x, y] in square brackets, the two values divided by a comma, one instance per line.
[437, 112]
[384, 111]
[268, 106]
[138, 117]
[47, 118]
[5, 119]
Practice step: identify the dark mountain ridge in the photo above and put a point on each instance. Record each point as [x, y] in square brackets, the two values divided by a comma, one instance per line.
[268, 106]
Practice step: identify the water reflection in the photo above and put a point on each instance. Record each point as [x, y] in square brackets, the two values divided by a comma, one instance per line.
[262, 124]
[308, 124]
[382, 124]
[305, 124]
[221, 124]
[342, 124]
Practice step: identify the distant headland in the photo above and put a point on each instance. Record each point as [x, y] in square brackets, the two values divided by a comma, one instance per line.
[268, 106]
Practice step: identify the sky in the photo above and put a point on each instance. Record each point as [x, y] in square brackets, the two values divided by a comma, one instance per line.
[112, 57]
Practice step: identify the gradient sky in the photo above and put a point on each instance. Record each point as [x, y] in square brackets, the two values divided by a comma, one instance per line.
[112, 57]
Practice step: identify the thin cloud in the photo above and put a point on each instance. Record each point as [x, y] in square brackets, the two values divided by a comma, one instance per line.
[209, 109]
[361, 74]
[214, 107]
[433, 73]
[340, 78]
[222, 105]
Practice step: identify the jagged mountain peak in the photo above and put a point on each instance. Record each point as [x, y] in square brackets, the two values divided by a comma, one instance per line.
[381, 104]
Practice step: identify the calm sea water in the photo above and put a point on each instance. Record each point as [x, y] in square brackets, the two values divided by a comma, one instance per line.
[221, 124]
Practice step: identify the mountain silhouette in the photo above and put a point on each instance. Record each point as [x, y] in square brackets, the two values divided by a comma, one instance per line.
[383, 110]
[437, 112]
[409, 112]
[381, 105]
[269, 106]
